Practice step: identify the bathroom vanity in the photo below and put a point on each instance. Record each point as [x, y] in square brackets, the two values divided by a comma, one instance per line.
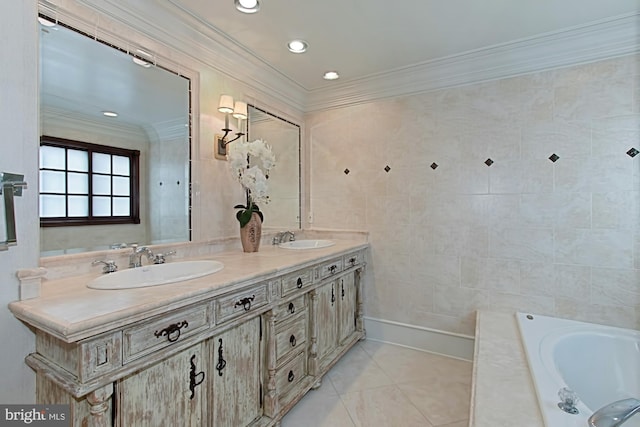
[236, 348]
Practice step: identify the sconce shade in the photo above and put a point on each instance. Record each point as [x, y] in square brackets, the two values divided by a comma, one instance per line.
[240, 110]
[226, 104]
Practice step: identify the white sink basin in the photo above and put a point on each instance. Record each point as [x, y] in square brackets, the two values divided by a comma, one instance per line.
[307, 244]
[156, 274]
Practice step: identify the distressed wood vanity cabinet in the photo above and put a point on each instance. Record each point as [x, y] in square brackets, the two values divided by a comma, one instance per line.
[241, 357]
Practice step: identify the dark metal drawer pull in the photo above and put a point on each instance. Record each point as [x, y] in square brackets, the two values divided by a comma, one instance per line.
[292, 308]
[245, 303]
[333, 269]
[353, 261]
[299, 283]
[221, 362]
[291, 376]
[333, 295]
[195, 379]
[172, 331]
[292, 340]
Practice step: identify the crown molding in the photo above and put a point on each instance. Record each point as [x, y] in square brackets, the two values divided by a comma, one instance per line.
[176, 27]
[88, 124]
[588, 43]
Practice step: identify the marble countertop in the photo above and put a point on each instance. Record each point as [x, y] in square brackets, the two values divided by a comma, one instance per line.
[503, 392]
[67, 309]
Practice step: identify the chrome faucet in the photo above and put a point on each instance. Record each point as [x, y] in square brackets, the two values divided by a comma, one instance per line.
[135, 258]
[615, 414]
[284, 236]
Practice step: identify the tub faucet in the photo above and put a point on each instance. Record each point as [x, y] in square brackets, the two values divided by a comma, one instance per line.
[615, 414]
[135, 258]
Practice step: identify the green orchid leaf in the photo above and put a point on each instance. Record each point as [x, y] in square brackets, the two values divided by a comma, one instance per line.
[244, 217]
[240, 207]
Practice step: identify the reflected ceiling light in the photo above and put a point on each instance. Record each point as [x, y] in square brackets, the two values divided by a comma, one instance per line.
[247, 6]
[297, 46]
[331, 75]
[110, 113]
[46, 22]
[141, 62]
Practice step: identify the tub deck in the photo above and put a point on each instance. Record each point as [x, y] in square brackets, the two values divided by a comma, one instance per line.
[503, 392]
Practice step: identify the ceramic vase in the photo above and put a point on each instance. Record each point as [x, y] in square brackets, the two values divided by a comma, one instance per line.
[251, 234]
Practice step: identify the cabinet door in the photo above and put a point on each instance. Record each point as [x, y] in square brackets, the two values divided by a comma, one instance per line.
[347, 307]
[170, 392]
[236, 378]
[327, 319]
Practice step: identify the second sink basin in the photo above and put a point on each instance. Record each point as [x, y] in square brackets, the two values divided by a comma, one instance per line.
[156, 274]
[307, 244]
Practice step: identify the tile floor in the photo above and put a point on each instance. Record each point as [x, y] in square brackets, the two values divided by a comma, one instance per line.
[383, 385]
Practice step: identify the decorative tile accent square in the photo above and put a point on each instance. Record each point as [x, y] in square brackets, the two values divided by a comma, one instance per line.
[346, 171]
[387, 168]
[434, 165]
[633, 152]
[488, 162]
[554, 157]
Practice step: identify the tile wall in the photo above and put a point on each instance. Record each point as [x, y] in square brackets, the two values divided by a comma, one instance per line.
[520, 194]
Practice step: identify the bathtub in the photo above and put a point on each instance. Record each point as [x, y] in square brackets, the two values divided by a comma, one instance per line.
[601, 364]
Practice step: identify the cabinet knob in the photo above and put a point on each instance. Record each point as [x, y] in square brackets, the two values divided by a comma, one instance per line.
[333, 268]
[291, 376]
[299, 283]
[292, 340]
[292, 308]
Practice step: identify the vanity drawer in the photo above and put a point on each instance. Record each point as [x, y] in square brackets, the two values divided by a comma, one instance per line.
[329, 268]
[290, 309]
[291, 373]
[296, 281]
[353, 260]
[290, 337]
[238, 303]
[164, 330]
[86, 359]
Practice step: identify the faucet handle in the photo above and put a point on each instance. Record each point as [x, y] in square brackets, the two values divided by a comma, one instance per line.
[109, 266]
[160, 258]
[568, 400]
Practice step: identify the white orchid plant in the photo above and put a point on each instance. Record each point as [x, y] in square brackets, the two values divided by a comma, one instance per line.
[251, 162]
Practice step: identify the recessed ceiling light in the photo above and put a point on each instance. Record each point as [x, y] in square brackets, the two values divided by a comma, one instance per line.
[46, 22]
[297, 46]
[331, 75]
[110, 113]
[247, 6]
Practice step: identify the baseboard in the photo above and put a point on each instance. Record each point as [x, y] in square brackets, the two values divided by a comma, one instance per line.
[432, 340]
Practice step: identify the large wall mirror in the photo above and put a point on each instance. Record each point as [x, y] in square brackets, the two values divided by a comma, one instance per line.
[283, 212]
[81, 79]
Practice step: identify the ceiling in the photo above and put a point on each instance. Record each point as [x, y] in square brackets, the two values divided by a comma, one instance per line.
[81, 78]
[364, 38]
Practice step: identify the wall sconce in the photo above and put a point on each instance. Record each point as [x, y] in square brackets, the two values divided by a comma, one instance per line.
[239, 111]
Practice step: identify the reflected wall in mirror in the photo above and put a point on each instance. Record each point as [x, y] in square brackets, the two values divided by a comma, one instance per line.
[283, 210]
[80, 79]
